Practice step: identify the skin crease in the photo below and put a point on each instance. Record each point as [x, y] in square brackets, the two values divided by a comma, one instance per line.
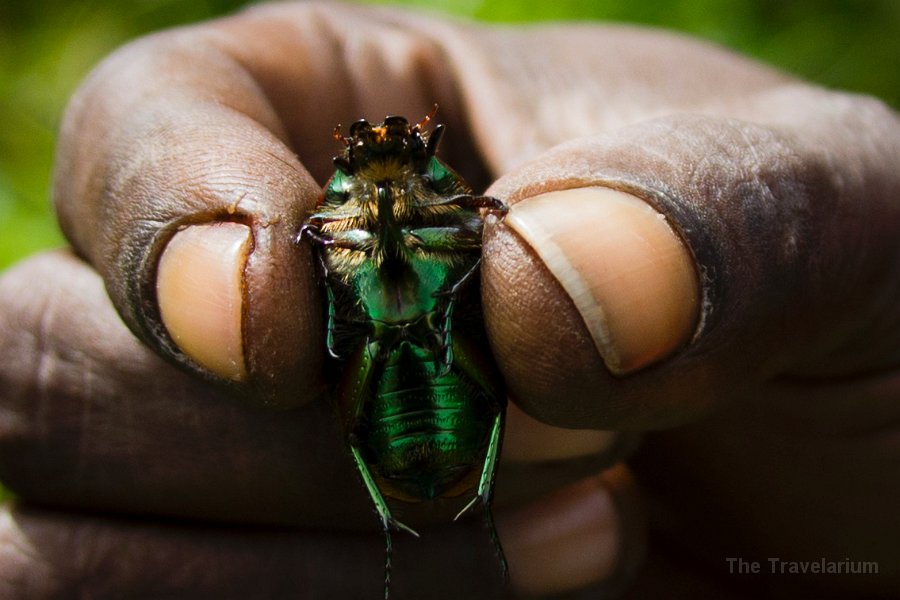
[780, 415]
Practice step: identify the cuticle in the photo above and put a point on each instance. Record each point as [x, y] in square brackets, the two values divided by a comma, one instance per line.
[245, 301]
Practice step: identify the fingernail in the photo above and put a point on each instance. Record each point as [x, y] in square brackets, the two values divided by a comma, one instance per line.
[629, 275]
[564, 542]
[199, 289]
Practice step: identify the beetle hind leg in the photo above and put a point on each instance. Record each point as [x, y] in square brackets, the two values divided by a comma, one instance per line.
[495, 541]
[384, 512]
[384, 515]
[388, 553]
[485, 492]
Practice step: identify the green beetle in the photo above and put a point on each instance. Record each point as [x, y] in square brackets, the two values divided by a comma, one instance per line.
[398, 236]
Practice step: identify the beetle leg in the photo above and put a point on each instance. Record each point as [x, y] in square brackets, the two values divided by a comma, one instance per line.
[446, 329]
[354, 414]
[494, 205]
[447, 343]
[384, 514]
[388, 553]
[453, 292]
[488, 471]
[465, 278]
[495, 540]
[329, 328]
[486, 490]
[312, 232]
[352, 239]
[329, 295]
[449, 238]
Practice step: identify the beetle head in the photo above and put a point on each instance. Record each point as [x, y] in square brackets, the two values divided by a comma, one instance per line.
[392, 140]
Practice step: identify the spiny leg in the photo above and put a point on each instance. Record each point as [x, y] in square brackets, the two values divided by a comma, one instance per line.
[384, 514]
[388, 552]
[495, 540]
[329, 329]
[485, 491]
[329, 295]
[313, 233]
[446, 341]
[446, 329]
[493, 205]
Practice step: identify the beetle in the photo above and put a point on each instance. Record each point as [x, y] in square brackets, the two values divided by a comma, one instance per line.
[397, 235]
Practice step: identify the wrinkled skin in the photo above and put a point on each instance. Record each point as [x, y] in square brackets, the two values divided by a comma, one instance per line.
[772, 434]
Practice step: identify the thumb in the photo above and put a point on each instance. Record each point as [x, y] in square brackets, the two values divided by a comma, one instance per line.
[647, 274]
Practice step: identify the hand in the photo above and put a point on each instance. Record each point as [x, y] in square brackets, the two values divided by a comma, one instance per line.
[756, 314]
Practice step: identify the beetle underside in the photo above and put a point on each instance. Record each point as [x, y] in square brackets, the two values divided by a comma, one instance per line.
[398, 237]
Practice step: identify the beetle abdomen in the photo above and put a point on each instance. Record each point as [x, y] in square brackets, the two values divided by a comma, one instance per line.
[426, 428]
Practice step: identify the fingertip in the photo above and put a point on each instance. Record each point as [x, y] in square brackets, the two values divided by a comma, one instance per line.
[526, 439]
[574, 538]
[200, 293]
[628, 274]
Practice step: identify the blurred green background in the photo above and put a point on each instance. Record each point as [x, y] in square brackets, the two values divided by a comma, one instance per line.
[47, 47]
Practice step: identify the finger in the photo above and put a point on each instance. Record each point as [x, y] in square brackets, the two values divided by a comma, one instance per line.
[528, 89]
[589, 534]
[47, 554]
[671, 281]
[200, 126]
[105, 425]
[774, 247]
[157, 141]
[93, 419]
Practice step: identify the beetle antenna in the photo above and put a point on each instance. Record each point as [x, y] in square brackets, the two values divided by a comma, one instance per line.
[421, 124]
[340, 136]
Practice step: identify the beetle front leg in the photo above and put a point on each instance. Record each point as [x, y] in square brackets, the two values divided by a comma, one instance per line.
[313, 233]
[493, 205]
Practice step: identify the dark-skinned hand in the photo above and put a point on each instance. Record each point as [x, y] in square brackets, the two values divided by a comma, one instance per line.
[699, 248]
